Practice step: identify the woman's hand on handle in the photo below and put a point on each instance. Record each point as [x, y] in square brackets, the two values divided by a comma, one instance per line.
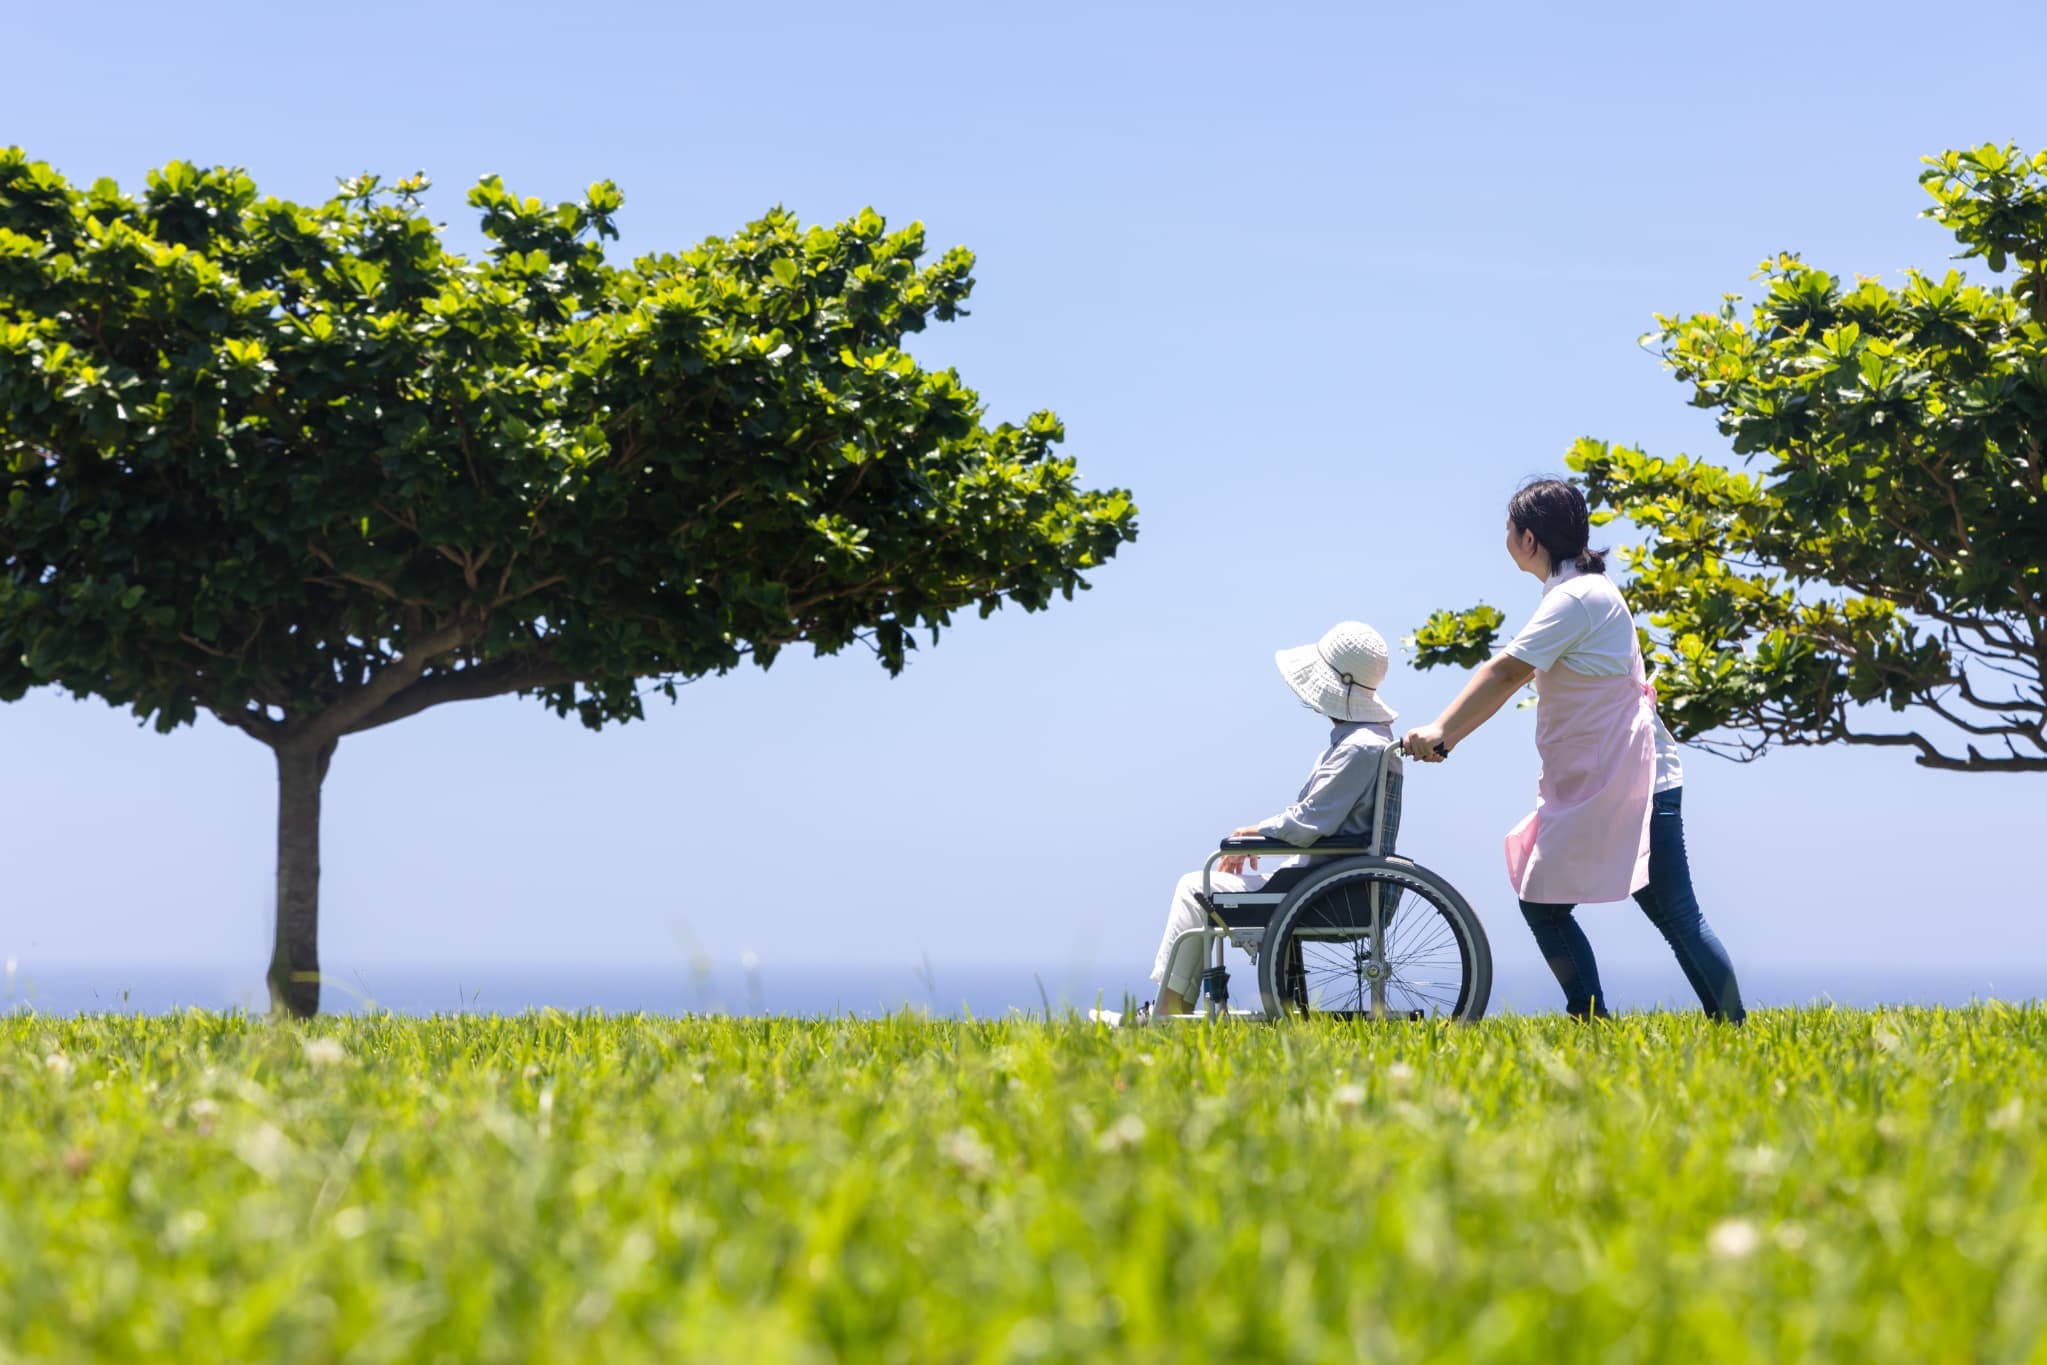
[1426, 743]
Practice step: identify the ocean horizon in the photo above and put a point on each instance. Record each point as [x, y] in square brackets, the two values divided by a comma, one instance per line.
[947, 990]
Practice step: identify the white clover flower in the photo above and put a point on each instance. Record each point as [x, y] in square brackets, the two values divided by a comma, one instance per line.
[264, 1149]
[966, 1149]
[1733, 1239]
[1127, 1131]
[325, 1051]
[1790, 1236]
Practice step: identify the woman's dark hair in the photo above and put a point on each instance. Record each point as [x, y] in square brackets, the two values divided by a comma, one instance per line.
[1555, 511]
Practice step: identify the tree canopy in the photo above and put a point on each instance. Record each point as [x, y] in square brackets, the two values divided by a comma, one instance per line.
[307, 470]
[1886, 549]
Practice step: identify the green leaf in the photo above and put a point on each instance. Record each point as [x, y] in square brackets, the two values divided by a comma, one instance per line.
[1463, 639]
[1772, 595]
[262, 450]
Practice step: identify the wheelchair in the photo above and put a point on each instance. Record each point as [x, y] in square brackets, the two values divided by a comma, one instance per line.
[1353, 932]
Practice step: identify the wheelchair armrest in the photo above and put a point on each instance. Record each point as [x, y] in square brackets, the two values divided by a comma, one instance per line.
[1346, 845]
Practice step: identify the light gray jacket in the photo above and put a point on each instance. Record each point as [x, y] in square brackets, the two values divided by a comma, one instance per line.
[1340, 792]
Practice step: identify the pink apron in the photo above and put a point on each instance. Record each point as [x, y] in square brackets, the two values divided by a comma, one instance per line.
[1587, 839]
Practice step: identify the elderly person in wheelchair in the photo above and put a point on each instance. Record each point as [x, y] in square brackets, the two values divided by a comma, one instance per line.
[1337, 924]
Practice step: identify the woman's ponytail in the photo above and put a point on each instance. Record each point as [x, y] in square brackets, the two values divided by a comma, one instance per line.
[1555, 512]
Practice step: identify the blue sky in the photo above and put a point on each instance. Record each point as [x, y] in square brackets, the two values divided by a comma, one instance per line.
[1319, 283]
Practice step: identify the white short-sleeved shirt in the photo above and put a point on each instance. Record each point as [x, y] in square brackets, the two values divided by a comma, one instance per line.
[1585, 625]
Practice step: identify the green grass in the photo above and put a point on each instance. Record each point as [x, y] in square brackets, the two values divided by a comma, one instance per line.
[1823, 1184]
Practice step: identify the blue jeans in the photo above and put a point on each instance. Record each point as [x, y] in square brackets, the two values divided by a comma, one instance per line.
[1670, 905]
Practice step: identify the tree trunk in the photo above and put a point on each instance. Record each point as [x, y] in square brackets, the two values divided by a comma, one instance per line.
[295, 961]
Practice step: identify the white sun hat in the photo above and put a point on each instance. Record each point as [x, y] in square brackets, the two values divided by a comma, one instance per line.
[1339, 675]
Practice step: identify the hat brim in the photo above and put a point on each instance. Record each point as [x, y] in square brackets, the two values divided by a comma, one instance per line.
[1317, 684]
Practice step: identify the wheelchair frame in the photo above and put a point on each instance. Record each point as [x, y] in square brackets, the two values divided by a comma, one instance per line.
[1216, 935]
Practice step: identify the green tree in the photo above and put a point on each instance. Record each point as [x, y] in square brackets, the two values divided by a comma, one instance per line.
[306, 470]
[1887, 549]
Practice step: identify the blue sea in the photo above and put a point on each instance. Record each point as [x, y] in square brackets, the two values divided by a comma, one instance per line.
[981, 991]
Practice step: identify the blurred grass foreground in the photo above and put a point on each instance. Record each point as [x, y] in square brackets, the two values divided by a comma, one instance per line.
[1831, 1183]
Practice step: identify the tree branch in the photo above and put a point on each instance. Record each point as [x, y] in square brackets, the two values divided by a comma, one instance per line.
[2004, 704]
[1933, 704]
[467, 684]
[376, 585]
[710, 511]
[1946, 486]
[319, 730]
[252, 723]
[409, 523]
[1932, 757]
[540, 585]
[468, 457]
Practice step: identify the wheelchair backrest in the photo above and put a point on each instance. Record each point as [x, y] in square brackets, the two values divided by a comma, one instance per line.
[1386, 803]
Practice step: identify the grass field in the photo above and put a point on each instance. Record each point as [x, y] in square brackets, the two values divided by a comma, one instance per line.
[1823, 1184]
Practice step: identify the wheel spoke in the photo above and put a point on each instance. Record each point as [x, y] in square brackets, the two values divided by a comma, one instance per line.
[1424, 957]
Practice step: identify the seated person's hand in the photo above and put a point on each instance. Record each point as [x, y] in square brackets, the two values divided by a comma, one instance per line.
[1426, 743]
[1234, 863]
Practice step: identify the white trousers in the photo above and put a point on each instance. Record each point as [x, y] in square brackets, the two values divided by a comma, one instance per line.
[1180, 972]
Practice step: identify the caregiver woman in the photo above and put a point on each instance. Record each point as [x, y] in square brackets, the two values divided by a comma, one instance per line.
[1607, 821]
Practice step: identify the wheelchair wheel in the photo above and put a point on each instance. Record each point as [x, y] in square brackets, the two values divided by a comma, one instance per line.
[1434, 963]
